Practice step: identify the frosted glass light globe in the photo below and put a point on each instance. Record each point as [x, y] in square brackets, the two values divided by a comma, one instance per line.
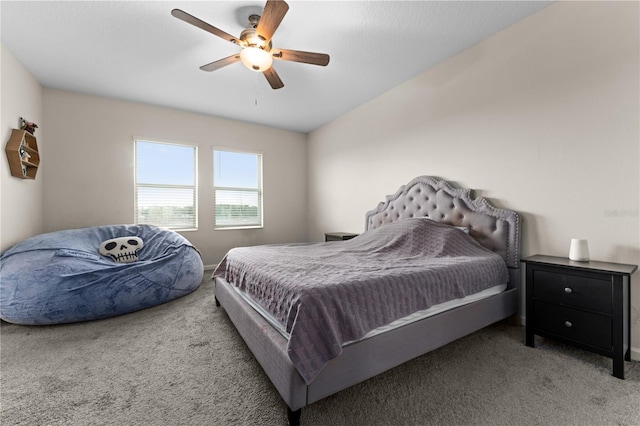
[256, 59]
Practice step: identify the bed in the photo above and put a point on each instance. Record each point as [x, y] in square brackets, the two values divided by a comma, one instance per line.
[309, 340]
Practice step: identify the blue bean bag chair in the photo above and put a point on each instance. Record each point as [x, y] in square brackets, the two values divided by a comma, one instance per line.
[62, 277]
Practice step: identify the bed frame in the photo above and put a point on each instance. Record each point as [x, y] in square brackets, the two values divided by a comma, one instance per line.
[424, 196]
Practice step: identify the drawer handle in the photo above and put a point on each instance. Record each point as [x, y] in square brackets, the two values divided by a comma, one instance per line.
[568, 290]
[568, 324]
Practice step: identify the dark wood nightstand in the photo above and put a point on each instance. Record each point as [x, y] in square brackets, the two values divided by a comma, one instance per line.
[338, 236]
[584, 304]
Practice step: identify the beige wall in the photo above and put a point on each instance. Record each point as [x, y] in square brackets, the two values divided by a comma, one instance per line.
[90, 171]
[541, 118]
[21, 199]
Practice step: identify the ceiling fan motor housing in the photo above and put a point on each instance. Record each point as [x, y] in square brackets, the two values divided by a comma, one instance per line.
[249, 38]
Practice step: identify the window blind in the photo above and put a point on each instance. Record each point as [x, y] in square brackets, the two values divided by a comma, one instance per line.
[166, 190]
[237, 188]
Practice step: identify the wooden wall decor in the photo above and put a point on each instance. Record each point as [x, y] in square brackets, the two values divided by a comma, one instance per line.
[22, 153]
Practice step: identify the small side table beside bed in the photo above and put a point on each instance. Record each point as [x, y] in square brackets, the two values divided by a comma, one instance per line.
[338, 236]
[583, 304]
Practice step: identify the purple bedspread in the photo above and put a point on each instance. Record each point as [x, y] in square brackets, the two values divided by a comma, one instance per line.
[325, 294]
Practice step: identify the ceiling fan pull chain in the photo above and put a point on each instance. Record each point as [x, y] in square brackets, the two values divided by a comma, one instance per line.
[255, 85]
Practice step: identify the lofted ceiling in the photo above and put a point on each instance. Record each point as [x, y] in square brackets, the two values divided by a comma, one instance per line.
[137, 51]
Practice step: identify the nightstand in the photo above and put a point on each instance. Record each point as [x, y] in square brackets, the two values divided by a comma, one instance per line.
[338, 236]
[584, 304]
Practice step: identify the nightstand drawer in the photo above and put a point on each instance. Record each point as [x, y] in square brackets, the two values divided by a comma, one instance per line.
[588, 293]
[579, 326]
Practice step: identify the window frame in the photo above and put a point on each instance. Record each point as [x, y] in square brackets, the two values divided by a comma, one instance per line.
[194, 187]
[259, 190]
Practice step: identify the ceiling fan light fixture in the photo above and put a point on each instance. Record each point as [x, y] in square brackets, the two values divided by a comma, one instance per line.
[256, 59]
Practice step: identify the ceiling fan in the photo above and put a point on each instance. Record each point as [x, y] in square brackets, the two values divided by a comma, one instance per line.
[257, 52]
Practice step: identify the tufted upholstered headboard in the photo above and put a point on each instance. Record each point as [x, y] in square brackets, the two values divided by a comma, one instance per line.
[426, 196]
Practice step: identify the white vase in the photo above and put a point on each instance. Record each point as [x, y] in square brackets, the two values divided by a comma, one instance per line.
[579, 250]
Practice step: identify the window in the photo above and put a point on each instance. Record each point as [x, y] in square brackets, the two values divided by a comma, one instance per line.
[165, 193]
[237, 189]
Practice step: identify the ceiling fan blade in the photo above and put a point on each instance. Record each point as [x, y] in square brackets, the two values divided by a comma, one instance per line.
[273, 78]
[312, 58]
[215, 65]
[271, 17]
[190, 19]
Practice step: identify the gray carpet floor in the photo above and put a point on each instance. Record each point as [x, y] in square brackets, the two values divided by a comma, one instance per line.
[183, 363]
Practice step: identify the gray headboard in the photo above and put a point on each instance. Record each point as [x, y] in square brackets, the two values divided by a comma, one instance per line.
[426, 196]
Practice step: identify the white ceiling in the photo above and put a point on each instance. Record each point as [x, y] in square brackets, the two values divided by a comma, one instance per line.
[137, 51]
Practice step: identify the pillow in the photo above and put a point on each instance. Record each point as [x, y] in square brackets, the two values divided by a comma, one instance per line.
[464, 229]
[121, 249]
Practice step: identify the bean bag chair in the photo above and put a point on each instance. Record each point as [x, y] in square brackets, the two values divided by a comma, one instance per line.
[94, 273]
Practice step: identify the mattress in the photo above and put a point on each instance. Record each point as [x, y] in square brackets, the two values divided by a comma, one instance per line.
[411, 318]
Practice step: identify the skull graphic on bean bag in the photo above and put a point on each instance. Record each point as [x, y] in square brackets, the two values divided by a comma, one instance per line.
[122, 249]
